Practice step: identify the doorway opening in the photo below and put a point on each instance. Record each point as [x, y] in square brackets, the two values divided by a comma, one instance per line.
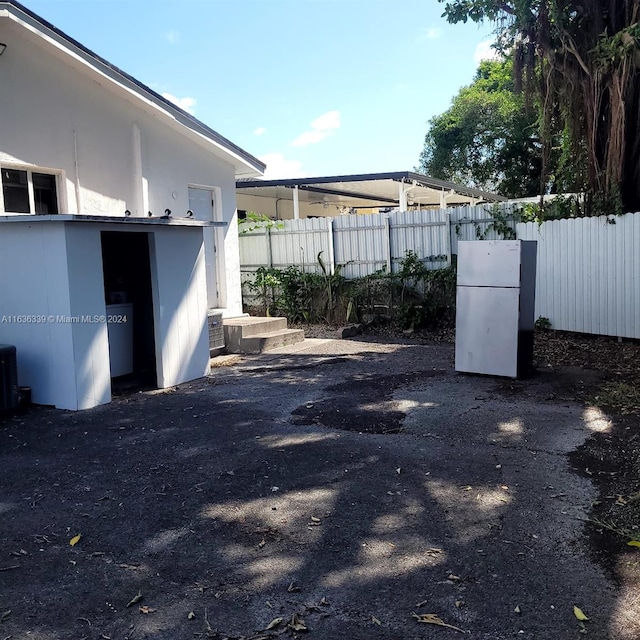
[129, 305]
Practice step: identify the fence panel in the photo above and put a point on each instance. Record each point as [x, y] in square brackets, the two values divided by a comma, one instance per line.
[424, 232]
[476, 223]
[361, 244]
[255, 249]
[588, 276]
[298, 242]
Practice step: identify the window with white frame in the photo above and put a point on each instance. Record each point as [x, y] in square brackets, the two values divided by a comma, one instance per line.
[26, 191]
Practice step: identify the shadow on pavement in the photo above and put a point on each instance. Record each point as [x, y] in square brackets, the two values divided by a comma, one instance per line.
[353, 487]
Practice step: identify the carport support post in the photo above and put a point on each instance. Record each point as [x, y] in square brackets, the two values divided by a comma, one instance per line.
[387, 237]
[267, 235]
[402, 197]
[296, 203]
[332, 255]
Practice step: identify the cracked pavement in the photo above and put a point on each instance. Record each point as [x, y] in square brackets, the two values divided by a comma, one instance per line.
[353, 483]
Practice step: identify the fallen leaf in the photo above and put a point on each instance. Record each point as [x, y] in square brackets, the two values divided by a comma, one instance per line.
[454, 578]
[297, 623]
[135, 599]
[433, 551]
[191, 615]
[314, 519]
[459, 604]
[634, 543]
[578, 613]
[467, 488]
[376, 621]
[5, 615]
[324, 602]
[262, 543]
[273, 624]
[311, 607]
[146, 610]
[293, 587]
[517, 609]
[74, 541]
[432, 618]
[399, 470]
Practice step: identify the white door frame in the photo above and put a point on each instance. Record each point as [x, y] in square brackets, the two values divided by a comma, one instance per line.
[214, 244]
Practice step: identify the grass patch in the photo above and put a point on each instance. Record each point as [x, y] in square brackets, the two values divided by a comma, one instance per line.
[621, 397]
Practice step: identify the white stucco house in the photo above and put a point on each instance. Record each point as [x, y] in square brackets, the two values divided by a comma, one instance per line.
[117, 221]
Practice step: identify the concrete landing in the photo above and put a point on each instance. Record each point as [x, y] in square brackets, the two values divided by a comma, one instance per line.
[256, 335]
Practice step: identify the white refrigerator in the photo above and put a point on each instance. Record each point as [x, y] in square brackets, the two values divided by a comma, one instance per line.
[495, 299]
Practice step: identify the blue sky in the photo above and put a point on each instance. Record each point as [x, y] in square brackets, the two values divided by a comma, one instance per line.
[312, 87]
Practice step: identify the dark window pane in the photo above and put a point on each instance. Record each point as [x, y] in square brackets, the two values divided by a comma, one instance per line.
[44, 191]
[15, 191]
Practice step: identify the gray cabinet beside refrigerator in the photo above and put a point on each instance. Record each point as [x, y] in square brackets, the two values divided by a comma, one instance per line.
[495, 307]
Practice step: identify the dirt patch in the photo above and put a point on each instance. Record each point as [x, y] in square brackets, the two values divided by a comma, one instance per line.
[362, 404]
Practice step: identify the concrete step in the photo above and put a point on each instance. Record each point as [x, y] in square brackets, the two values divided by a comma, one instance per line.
[261, 342]
[239, 334]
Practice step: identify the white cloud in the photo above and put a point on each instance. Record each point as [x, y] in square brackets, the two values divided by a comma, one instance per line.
[259, 131]
[329, 120]
[279, 167]
[484, 51]
[432, 33]
[187, 103]
[310, 137]
[172, 37]
[322, 127]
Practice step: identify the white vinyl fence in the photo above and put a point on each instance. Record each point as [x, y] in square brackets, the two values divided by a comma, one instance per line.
[588, 273]
[360, 244]
[588, 277]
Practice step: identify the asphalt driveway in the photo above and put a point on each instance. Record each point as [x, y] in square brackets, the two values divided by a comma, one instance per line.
[338, 489]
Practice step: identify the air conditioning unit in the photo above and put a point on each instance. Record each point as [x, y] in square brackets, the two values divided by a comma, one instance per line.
[8, 378]
[216, 331]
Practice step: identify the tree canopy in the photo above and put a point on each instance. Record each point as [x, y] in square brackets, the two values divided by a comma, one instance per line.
[580, 59]
[486, 139]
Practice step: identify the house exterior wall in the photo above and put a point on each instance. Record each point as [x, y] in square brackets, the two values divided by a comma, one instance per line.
[91, 367]
[109, 152]
[57, 279]
[283, 209]
[36, 258]
[180, 305]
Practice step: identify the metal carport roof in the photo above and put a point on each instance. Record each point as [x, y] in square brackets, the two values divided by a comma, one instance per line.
[401, 189]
